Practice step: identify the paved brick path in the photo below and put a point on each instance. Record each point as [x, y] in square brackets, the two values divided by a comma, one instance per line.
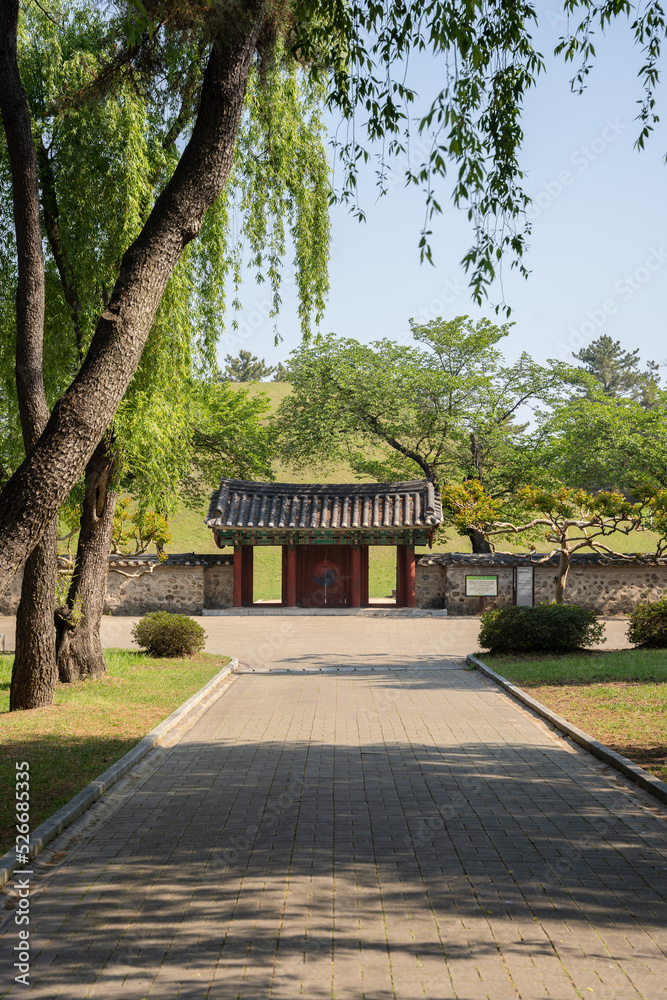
[348, 834]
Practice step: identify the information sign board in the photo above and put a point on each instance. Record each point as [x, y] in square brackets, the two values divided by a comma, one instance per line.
[481, 586]
[523, 586]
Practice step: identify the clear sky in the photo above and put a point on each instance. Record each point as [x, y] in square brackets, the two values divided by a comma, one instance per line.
[598, 251]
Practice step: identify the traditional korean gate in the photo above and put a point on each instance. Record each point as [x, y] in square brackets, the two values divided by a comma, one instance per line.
[325, 530]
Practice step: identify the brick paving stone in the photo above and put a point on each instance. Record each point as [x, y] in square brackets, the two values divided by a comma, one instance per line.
[381, 834]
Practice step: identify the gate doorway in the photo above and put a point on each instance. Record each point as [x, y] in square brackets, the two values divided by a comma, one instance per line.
[325, 576]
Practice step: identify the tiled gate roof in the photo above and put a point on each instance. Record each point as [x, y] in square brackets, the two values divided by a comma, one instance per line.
[332, 506]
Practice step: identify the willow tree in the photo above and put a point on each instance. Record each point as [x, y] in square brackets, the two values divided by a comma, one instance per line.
[91, 209]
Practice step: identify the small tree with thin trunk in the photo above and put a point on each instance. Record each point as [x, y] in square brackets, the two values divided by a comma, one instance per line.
[569, 520]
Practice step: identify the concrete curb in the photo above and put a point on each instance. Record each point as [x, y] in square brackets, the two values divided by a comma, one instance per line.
[51, 827]
[617, 760]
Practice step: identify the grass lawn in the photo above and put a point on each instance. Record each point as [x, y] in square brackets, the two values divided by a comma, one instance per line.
[619, 697]
[89, 726]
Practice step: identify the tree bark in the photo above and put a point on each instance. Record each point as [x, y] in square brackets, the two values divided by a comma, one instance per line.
[34, 671]
[563, 569]
[78, 644]
[38, 488]
[476, 456]
[479, 543]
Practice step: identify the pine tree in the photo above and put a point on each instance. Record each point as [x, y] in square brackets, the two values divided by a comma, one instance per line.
[618, 371]
[246, 368]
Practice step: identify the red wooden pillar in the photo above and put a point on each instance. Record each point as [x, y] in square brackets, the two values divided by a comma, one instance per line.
[400, 576]
[355, 577]
[409, 576]
[238, 576]
[289, 576]
[243, 575]
[364, 575]
[405, 576]
[247, 582]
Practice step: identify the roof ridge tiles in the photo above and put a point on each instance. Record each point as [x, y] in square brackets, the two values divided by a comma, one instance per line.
[261, 486]
[240, 504]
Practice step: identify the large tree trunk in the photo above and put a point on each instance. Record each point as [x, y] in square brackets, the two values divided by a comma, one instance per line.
[36, 491]
[480, 544]
[34, 671]
[79, 646]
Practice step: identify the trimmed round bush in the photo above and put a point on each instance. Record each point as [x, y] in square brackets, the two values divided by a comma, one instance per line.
[648, 624]
[543, 628]
[163, 634]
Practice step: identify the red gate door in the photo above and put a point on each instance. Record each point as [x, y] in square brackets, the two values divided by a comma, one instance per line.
[325, 576]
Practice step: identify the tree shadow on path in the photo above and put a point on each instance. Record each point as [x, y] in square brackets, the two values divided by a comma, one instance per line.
[339, 866]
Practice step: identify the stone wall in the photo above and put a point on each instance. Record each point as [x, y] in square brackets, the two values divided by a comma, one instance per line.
[136, 590]
[606, 586]
[184, 584]
[615, 587]
[430, 584]
[219, 583]
[188, 583]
